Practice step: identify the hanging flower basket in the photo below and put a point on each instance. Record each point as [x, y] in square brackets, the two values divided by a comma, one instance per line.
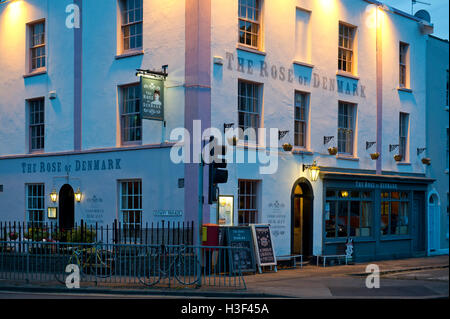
[426, 161]
[287, 147]
[398, 158]
[375, 156]
[333, 150]
[233, 140]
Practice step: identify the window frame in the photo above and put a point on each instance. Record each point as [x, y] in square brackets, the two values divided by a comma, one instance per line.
[404, 65]
[304, 144]
[252, 22]
[123, 93]
[349, 49]
[31, 125]
[250, 115]
[126, 24]
[388, 201]
[129, 232]
[250, 214]
[32, 47]
[403, 136]
[33, 210]
[351, 115]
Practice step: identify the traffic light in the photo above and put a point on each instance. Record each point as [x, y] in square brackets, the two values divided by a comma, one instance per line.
[217, 170]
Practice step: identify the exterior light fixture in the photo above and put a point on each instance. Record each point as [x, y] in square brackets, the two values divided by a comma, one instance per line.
[344, 194]
[314, 170]
[78, 195]
[54, 196]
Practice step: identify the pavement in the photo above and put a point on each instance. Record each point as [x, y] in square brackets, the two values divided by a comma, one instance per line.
[417, 278]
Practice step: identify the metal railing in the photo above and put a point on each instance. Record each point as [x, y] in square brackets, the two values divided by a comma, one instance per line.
[119, 265]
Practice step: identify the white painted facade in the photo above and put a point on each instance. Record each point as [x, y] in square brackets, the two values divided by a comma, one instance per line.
[293, 63]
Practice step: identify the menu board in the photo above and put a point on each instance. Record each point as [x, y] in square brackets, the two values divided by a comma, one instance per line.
[243, 259]
[265, 253]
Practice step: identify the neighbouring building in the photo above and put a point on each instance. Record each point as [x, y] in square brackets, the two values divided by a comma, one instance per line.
[342, 80]
[437, 144]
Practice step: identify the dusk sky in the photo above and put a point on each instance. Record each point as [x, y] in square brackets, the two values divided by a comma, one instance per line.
[438, 11]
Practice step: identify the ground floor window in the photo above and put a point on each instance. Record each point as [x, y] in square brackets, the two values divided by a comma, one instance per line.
[348, 213]
[35, 208]
[394, 213]
[248, 202]
[131, 207]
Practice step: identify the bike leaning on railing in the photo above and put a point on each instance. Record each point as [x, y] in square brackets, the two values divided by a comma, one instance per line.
[91, 259]
[167, 262]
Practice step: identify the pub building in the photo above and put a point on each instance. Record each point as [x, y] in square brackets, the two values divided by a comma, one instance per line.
[83, 131]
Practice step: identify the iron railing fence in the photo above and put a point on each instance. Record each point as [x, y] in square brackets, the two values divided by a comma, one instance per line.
[159, 233]
[120, 265]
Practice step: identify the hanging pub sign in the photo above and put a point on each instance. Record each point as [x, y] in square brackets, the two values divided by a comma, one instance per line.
[152, 91]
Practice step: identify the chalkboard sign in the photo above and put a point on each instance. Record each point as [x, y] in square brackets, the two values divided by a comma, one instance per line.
[265, 254]
[241, 237]
[152, 99]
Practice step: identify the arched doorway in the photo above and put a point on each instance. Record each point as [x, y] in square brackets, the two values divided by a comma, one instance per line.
[66, 207]
[433, 223]
[302, 218]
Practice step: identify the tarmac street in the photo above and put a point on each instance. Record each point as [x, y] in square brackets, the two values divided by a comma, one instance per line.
[417, 278]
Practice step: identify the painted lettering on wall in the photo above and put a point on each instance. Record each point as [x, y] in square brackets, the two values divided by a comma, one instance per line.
[277, 218]
[265, 70]
[376, 185]
[75, 166]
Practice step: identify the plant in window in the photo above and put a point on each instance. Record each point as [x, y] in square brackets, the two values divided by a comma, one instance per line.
[426, 161]
[287, 147]
[333, 150]
[398, 157]
[375, 156]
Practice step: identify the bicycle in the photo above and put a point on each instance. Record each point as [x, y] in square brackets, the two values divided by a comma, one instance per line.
[164, 261]
[91, 261]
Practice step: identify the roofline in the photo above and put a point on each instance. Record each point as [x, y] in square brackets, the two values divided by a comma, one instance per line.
[440, 39]
[399, 12]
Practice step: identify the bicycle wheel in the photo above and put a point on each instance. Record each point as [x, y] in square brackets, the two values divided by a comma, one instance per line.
[148, 268]
[187, 268]
[103, 265]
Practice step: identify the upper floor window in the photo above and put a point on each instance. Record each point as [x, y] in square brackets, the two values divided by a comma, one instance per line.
[249, 107]
[37, 46]
[250, 23]
[132, 21]
[346, 127]
[301, 119]
[36, 125]
[131, 123]
[403, 61]
[403, 135]
[346, 48]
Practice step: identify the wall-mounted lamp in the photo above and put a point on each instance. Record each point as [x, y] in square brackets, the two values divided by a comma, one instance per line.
[344, 194]
[54, 196]
[314, 170]
[78, 195]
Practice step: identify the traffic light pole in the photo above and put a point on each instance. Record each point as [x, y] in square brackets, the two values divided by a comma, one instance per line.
[200, 200]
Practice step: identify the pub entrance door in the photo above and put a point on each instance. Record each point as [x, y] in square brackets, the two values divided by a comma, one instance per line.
[66, 207]
[302, 219]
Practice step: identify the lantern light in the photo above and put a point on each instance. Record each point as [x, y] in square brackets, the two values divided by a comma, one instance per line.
[314, 170]
[78, 195]
[54, 196]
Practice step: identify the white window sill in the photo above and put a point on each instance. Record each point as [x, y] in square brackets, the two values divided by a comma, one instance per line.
[347, 75]
[300, 150]
[250, 49]
[347, 157]
[130, 53]
[308, 65]
[402, 89]
[35, 73]
[403, 163]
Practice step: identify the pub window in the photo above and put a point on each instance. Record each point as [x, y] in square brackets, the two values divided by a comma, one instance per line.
[346, 127]
[131, 122]
[394, 213]
[346, 58]
[403, 135]
[131, 207]
[249, 105]
[35, 204]
[348, 214]
[132, 22]
[248, 202]
[301, 119]
[403, 65]
[36, 46]
[36, 125]
[250, 23]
